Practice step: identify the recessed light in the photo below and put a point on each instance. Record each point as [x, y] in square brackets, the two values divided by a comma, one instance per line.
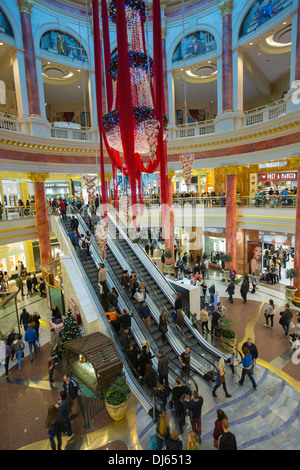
[78, 70]
[251, 43]
[284, 23]
[1, 43]
[78, 86]
[48, 63]
[209, 61]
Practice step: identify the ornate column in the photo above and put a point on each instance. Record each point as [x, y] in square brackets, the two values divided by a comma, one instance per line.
[41, 215]
[296, 161]
[230, 172]
[227, 92]
[25, 7]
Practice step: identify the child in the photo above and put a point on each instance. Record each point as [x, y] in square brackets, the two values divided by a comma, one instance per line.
[230, 361]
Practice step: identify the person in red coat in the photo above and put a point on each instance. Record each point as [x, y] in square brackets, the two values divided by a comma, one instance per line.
[218, 430]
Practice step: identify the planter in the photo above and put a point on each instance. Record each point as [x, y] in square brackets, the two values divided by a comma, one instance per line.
[228, 344]
[116, 412]
[226, 274]
[290, 292]
[169, 268]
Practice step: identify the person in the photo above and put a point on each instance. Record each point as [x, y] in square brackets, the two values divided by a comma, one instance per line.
[162, 394]
[149, 378]
[24, 319]
[178, 392]
[163, 325]
[31, 338]
[180, 319]
[113, 298]
[192, 441]
[34, 283]
[162, 429]
[206, 265]
[178, 301]
[125, 281]
[252, 348]
[185, 360]
[218, 429]
[55, 345]
[72, 389]
[244, 290]
[212, 292]
[29, 286]
[62, 207]
[124, 338]
[163, 369]
[113, 318]
[231, 361]
[7, 352]
[102, 277]
[144, 313]
[227, 440]
[18, 347]
[220, 379]
[51, 367]
[134, 284]
[254, 283]
[133, 355]
[74, 224]
[36, 323]
[174, 441]
[54, 425]
[194, 409]
[56, 315]
[285, 319]
[204, 319]
[247, 369]
[140, 294]
[83, 247]
[215, 320]
[269, 313]
[64, 410]
[230, 289]
[125, 320]
[10, 340]
[144, 358]
[20, 286]
[296, 334]
[5, 280]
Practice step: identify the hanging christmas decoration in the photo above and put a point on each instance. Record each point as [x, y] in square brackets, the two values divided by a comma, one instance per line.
[125, 206]
[101, 234]
[187, 160]
[90, 183]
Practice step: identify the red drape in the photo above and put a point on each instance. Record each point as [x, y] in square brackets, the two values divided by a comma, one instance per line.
[107, 55]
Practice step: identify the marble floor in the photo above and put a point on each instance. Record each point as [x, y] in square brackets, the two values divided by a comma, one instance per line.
[264, 419]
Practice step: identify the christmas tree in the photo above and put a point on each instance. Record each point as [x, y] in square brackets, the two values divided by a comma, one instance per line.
[70, 329]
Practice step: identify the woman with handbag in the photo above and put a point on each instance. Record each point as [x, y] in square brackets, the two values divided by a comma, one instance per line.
[220, 380]
[269, 313]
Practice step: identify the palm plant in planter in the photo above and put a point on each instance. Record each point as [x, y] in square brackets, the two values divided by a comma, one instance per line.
[169, 265]
[227, 335]
[226, 258]
[116, 398]
[290, 290]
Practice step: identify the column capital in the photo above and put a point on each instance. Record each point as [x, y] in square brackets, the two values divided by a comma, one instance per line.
[226, 7]
[25, 6]
[109, 176]
[37, 177]
[295, 160]
[231, 169]
[171, 174]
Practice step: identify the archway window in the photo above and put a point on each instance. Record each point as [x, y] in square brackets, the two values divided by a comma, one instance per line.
[5, 27]
[261, 12]
[61, 43]
[193, 45]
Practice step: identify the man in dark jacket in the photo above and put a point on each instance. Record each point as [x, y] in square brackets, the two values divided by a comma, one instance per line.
[244, 290]
[194, 409]
[24, 319]
[163, 369]
[144, 313]
[286, 318]
[64, 410]
[227, 440]
[178, 393]
[178, 302]
[71, 387]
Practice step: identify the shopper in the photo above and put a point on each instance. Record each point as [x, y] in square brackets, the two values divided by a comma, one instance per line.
[244, 290]
[230, 290]
[163, 369]
[102, 273]
[83, 247]
[247, 369]
[269, 313]
[174, 442]
[253, 350]
[31, 338]
[64, 411]
[144, 313]
[227, 440]
[125, 281]
[194, 409]
[192, 441]
[24, 319]
[177, 392]
[215, 320]
[29, 286]
[254, 283]
[18, 347]
[285, 319]
[185, 360]
[180, 319]
[51, 367]
[162, 430]
[218, 429]
[163, 326]
[55, 426]
[144, 358]
[72, 389]
[7, 357]
[36, 323]
[149, 378]
[212, 291]
[220, 380]
[20, 286]
[204, 320]
[134, 284]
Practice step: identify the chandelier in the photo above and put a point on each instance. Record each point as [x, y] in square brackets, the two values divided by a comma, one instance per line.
[141, 73]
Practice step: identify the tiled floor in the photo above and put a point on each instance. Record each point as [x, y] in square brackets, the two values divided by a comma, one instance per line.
[264, 419]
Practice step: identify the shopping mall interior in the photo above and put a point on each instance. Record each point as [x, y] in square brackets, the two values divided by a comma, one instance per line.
[126, 236]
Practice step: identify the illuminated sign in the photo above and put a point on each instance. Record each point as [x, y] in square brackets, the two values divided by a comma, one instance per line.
[284, 176]
[271, 165]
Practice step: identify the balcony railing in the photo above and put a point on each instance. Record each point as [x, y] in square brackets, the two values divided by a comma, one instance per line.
[8, 122]
[17, 212]
[265, 113]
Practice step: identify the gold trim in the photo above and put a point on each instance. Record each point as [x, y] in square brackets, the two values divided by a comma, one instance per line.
[37, 177]
[25, 6]
[226, 7]
[18, 228]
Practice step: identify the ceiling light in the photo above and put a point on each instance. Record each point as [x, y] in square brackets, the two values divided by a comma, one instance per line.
[251, 43]
[1, 43]
[270, 40]
[48, 63]
[78, 86]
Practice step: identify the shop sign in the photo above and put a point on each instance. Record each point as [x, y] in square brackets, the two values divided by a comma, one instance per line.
[213, 230]
[271, 165]
[284, 176]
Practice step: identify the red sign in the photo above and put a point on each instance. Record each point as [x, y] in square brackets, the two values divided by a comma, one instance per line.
[282, 176]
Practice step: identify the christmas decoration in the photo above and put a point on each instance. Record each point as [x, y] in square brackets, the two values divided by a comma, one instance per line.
[90, 182]
[187, 161]
[124, 206]
[70, 329]
[101, 234]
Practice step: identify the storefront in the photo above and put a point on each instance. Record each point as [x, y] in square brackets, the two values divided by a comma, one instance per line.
[57, 189]
[274, 182]
[214, 243]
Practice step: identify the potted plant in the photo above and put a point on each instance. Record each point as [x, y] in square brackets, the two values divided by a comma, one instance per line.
[227, 335]
[290, 290]
[225, 258]
[169, 265]
[116, 398]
